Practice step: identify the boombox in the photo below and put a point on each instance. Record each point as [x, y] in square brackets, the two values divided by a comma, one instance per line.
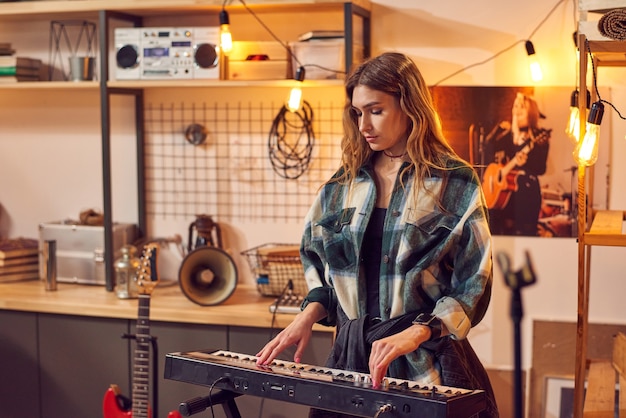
[167, 53]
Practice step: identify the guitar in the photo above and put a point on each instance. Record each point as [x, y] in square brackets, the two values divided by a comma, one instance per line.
[114, 404]
[500, 180]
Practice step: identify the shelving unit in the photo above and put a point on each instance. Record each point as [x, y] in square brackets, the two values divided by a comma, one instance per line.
[605, 227]
[134, 11]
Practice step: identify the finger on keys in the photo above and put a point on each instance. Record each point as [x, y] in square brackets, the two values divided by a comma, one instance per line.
[378, 373]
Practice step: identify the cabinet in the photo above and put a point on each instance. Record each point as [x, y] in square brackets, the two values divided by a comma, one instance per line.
[110, 13]
[61, 365]
[603, 228]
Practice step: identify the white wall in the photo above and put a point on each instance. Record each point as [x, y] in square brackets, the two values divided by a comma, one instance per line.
[50, 164]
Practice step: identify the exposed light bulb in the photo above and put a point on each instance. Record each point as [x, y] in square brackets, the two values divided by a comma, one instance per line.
[586, 152]
[226, 38]
[295, 99]
[535, 69]
[573, 124]
[295, 95]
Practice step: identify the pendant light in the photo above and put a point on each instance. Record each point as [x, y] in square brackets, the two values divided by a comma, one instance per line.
[586, 152]
[535, 69]
[226, 38]
[294, 103]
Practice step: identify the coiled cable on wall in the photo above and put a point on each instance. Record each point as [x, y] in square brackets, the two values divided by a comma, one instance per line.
[291, 140]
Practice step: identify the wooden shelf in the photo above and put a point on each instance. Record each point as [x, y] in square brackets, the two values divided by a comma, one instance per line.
[146, 84]
[218, 83]
[155, 7]
[608, 53]
[607, 229]
[600, 6]
[50, 85]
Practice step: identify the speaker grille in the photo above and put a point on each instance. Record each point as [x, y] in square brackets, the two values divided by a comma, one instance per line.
[206, 56]
[126, 57]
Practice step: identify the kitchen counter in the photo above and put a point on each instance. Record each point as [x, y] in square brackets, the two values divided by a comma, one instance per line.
[245, 307]
[65, 346]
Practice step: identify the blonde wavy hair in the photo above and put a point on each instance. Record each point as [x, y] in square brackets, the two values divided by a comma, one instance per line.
[395, 74]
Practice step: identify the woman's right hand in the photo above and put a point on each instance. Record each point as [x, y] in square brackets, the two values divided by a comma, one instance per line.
[297, 333]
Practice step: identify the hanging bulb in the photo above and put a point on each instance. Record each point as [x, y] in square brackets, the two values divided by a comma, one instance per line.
[226, 38]
[573, 124]
[295, 96]
[535, 69]
[586, 152]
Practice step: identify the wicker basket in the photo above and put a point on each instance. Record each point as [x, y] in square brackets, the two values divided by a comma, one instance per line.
[274, 265]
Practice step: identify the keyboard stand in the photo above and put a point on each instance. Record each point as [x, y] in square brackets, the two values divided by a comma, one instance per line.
[224, 397]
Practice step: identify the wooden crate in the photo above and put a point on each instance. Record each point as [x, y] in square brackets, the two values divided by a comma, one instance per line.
[600, 401]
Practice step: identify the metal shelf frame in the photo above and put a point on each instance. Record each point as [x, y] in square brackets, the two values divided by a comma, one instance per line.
[350, 11]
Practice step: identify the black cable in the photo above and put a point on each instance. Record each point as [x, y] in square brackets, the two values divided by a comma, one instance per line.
[595, 80]
[291, 140]
[288, 288]
[215, 382]
[503, 50]
[277, 39]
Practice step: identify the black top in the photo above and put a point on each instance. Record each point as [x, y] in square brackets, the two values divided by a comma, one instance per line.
[371, 252]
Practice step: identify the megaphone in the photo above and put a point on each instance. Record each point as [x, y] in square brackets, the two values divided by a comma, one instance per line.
[207, 276]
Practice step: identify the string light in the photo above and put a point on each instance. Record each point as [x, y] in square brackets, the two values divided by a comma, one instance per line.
[226, 38]
[573, 124]
[535, 68]
[294, 103]
[586, 152]
[503, 50]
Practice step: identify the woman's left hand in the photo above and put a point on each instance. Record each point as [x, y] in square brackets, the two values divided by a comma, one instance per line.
[387, 349]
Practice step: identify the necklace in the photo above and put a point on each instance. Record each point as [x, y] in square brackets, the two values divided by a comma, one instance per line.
[394, 156]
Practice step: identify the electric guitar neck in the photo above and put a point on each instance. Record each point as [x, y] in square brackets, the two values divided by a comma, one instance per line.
[115, 405]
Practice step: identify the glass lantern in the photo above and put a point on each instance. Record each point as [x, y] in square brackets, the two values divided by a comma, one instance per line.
[126, 271]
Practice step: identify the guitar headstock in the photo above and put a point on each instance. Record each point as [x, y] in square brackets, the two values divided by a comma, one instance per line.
[148, 276]
[542, 136]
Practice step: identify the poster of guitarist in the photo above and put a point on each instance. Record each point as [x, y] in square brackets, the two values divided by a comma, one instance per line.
[517, 153]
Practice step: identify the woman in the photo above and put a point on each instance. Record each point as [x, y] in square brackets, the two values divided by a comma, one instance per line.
[519, 149]
[400, 230]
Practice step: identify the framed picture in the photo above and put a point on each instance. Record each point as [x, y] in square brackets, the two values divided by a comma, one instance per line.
[559, 397]
[514, 136]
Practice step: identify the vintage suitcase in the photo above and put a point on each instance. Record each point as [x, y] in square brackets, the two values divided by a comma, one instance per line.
[80, 249]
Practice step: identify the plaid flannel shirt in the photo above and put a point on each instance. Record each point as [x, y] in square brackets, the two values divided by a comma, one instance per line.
[432, 259]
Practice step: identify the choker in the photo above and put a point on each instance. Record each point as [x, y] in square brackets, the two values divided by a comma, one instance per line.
[394, 156]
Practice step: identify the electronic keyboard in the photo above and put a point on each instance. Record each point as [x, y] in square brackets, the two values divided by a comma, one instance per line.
[322, 387]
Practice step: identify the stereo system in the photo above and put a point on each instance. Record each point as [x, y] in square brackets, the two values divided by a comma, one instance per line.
[162, 53]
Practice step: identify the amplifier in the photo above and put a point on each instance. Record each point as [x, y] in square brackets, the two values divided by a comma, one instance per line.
[162, 53]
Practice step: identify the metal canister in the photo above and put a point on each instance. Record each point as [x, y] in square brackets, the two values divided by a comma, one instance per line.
[126, 271]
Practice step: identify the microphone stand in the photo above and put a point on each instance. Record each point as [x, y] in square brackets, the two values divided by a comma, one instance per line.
[515, 281]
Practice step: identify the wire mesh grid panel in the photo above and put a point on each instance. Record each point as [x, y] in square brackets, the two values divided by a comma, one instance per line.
[252, 162]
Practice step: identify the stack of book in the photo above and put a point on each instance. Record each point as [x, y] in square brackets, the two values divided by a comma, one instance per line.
[5, 48]
[321, 35]
[14, 68]
[19, 259]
